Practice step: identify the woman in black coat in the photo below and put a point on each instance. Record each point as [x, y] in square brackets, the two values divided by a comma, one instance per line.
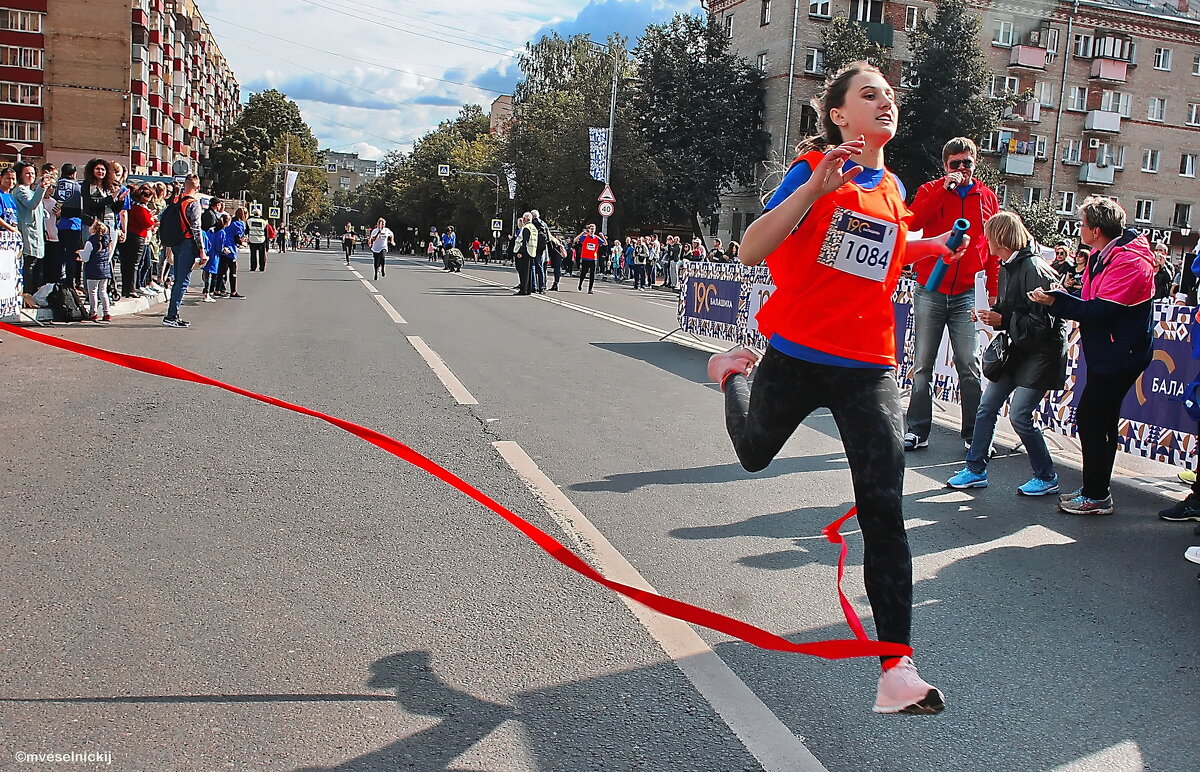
[1037, 360]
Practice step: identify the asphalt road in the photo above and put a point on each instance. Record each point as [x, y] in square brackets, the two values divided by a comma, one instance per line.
[193, 580]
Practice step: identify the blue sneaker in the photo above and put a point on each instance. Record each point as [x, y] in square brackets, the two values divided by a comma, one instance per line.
[968, 479]
[1037, 487]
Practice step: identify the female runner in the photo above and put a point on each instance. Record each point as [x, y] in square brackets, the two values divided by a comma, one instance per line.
[835, 238]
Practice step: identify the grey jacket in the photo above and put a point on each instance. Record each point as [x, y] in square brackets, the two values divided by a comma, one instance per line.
[31, 219]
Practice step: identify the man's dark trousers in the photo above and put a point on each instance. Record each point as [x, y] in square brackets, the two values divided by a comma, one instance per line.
[523, 265]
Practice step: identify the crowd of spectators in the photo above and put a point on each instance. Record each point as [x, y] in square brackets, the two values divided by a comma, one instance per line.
[95, 236]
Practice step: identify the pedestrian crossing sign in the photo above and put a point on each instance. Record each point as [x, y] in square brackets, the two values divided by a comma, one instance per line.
[497, 224]
[274, 213]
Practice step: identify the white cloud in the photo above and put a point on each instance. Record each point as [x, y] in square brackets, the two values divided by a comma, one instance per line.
[370, 73]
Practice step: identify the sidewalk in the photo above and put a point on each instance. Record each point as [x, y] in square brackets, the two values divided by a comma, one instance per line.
[122, 307]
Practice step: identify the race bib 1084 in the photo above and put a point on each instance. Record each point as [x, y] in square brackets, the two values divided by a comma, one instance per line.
[858, 244]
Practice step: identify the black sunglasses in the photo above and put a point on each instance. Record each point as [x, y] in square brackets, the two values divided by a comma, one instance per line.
[965, 163]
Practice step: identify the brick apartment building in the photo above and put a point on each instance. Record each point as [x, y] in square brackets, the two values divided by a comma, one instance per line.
[1115, 111]
[346, 171]
[139, 81]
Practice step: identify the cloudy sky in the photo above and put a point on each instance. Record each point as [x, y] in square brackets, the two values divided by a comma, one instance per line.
[374, 75]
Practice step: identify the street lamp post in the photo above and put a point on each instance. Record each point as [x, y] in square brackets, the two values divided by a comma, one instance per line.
[612, 116]
[20, 147]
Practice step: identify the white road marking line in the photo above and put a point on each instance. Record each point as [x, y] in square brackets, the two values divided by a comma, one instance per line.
[760, 730]
[452, 384]
[387, 307]
[1125, 755]
[367, 284]
[630, 323]
[356, 273]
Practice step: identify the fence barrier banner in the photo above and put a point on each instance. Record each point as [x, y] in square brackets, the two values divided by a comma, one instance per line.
[1153, 422]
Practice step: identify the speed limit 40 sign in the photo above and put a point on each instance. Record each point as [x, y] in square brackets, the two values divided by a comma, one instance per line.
[606, 209]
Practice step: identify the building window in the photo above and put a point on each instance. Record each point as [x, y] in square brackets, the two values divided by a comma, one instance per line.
[729, 26]
[765, 14]
[1196, 64]
[1112, 47]
[818, 8]
[761, 63]
[1044, 92]
[20, 94]
[1002, 33]
[1077, 98]
[1183, 215]
[1040, 145]
[1187, 165]
[1001, 192]
[808, 121]
[1193, 114]
[17, 56]
[1033, 196]
[1157, 109]
[867, 11]
[1072, 151]
[344, 182]
[814, 61]
[1144, 210]
[1150, 161]
[1115, 102]
[1116, 156]
[20, 131]
[1066, 202]
[1051, 43]
[911, 15]
[1162, 59]
[20, 21]
[1003, 85]
[1081, 46]
[908, 75]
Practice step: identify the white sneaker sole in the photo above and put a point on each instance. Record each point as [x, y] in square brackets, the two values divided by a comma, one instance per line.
[967, 486]
[932, 702]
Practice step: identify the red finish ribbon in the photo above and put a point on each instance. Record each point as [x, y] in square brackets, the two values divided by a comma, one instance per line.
[860, 646]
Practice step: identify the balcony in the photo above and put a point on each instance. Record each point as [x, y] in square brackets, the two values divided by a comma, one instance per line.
[1023, 112]
[1113, 70]
[883, 34]
[1095, 174]
[1032, 57]
[1017, 164]
[1102, 120]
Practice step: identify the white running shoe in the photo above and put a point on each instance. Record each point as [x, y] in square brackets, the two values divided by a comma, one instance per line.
[1192, 554]
[738, 359]
[902, 690]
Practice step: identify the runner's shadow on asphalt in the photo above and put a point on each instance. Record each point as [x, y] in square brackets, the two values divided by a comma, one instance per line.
[717, 473]
[689, 364]
[802, 527]
[468, 291]
[465, 718]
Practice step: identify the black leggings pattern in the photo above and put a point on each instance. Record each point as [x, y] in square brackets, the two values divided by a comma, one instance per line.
[587, 268]
[866, 406]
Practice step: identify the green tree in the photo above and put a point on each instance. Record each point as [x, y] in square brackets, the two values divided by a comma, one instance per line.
[1040, 219]
[308, 197]
[567, 88]
[698, 110]
[238, 159]
[430, 201]
[951, 95]
[846, 41]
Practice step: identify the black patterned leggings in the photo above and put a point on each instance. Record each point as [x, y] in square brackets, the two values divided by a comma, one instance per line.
[866, 406]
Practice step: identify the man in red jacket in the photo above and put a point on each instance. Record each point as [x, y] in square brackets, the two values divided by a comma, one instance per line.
[948, 307]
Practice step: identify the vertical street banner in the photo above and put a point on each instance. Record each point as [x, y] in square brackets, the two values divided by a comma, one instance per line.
[510, 174]
[597, 152]
[289, 184]
[10, 281]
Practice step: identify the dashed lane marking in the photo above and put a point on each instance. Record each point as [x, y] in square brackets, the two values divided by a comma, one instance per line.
[368, 284]
[766, 737]
[452, 384]
[387, 307]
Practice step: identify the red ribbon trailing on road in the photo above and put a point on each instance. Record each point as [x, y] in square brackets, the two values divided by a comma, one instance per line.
[859, 646]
